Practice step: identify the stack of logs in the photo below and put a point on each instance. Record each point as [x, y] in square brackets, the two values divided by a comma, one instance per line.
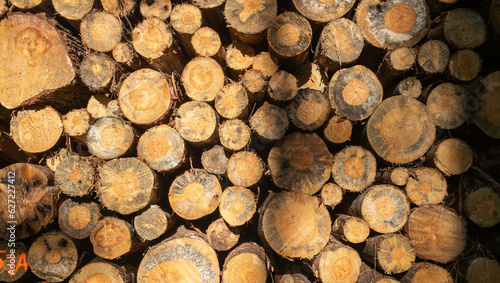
[249, 141]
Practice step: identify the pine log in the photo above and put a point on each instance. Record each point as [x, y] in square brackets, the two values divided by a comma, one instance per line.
[202, 79]
[239, 58]
[110, 137]
[119, 8]
[486, 117]
[125, 54]
[25, 4]
[234, 135]
[409, 86]
[437, 233]
[186, 19]
[101, 31]
[433, 56]
[340, 44]
[311, 75]
[126, 185]
[113, 237]
[401, 129]
[245, 169]
[349, 228]
[422, 272]
[354, 168]
[99, 270]
[395, 64]
[77, 219]
[399, 176]
[160, 9]
[323, 11]
[282, 87]
[237, 205]
[75, 176]
[483, 207]
[266, 63]
[246, 263]
[293, 274]
[464, 29]
[36, 130]
[309, 109]
[194, 194]
[289, 38]
[215, 160]
[221, 236]
[269, 122]
[97, 71]
[331, 194]
[452, 156]
[213, 16]
[206, 42]
[232, 102]
[338, 130]
[249, 19]
[145, 97]
[73, 11]
[393, 23]
[182, 257]
[256, 85]
[355, 92]
[27, 198]
[294, 225]
[153, 40]
[162, 148]
[391, 252]
[426, 186]
[481, 270]
[197, 123]
[13, 262]
[152, 223]
[300, 162]
[96, 106]
[465, 65]
[384, 207]
[55, 157]
[76, 123]
[53, 256]
[368, 275]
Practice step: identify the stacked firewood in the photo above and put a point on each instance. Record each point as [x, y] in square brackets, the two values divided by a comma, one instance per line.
[249, 141]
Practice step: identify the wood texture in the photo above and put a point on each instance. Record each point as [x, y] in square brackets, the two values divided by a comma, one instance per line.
[426, 186]
[309, 109]
[110, 137]
[202, 79]
[112, 237]
[152, 223]
[95, 36]
[245, 169]
[162, 148]
[77, 219]
[269, 122]
[354, 168]
[221, 236]
[75, 176]
[247, 262]
[197, 123]
[237, 205]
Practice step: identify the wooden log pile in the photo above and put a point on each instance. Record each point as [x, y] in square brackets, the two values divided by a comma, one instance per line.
[249, 141]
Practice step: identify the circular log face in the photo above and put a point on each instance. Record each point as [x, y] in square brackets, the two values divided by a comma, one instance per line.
[427, 272]
[464, 29]
[483, 207]
[250, 16]
[151, 37]
[100, 271]
[426, 186]
[160, 9]
[101, 31]
[323, 10]
[354, 168]
[162, 148]
[289, 34]
[110, 137]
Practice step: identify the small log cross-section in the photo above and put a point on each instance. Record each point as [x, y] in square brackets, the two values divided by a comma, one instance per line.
[465, 65]
[194, 194]
[453, 156]
[77, 219]
[73, 10]
[215, 160]
[74, 175]
[101, 31]
[152, 223]
[337, 130]
[110, 137]
[464, 29]
[162, 148]
[246, 263]
[392, 252]
[269, 122]
[197, 123]
[97, 71]
[300, 162]
[232, 102]
[481, 270]
[437, 233]
[207, 43]
[447, 105]
[234, 134]
[245, 169]
[239, 58]
[433, 56]
[76, 123]
[294, 225]
[202, 79]
[401, 129]
[53, 256]
[126, 185]
[323, 11]
[186, 19]
[112, 237]
[183, 257]
[426, 186]
[483, 207]
[309, 109]
[395, 64]
[331, 194]
[421, 272]
[349, 228]
[237, 205]
[99, 270]
[160, 9]
[221, 236]
[282, 87]
[354, 168]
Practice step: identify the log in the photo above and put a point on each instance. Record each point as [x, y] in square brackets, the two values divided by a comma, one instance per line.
[152, 223]
[55, 157]
[112, 238]
[77, 219]
[282, 87]
[311, 75]
[293, 274]
[323, 11]
[245, 169]
[101, 31]
[110, 137]
[206, 42]
[234, 135]
[75, 176]
[125, 54]
[215, 160]
[255, 83]
[485, 118]
[99, 270]
[464, 29]
[249, 19]
[426, 186]
[33, 201]
[237, 205]
[436, 232]
[294, 225]
[126, 185]
[354, 168]
[401, 129]
[119, 8]
[194, 194]
[213, 16]
[309, 109]
[76, 123]
[399, 176]
[465, 65]
[36, 130]
[395, 64]
[97, 71]
[186, 19]
[409, 86]
[184, 256]
[162, 148]
[247, 262]
[269, 122]
[160, 9]
[232, 102]
[339, 45]
[355, 92]
[391, 24]
[338, 130]
[26, 4]
[300, 162]
[331, 194]
[96, 106]
[266, 63]
[202, 79]
[481, 269]
[144, 97]
[53, 256]
[197, 123]
[421, 272]
[433, 56]
[391, 252]
[483, 207]
[73, 11]
[3, 7]
[239, 58]
[452, 156]
[153, 40]
[436, 7]
[221, 236]
[384, 207]
[349, 228]
[336, 263]
[13, 263]
[289, 38]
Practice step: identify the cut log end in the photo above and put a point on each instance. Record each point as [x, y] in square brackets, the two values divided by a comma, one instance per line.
[162, 148]
[234, 134]
[487, 118]
[464, 29]
[282, 87]
[77, 219]
[309, 109]
[110, 137]
[197, 123]
[266, 63]
[112, 237]
[232, 102]
[72, 10]
[152, 223]
[245, 169]
[101, 31]
[321, 10]
[331, 194]
[465, 65]
[433, 56]
[97, 71]
[483, 207]
[269, 122]
[215, 160]
[202, 79]
[352, 229]
[421, 272]
[99, 270]
[157, 8]
[76, 122]
[453, 156]
[247, 262]
[354, 168]
[426, 186]
[337, 263]
[75, 176]
[338, 130]
[221, 236]
[237, 205]
[394, 253]
[483, 269]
